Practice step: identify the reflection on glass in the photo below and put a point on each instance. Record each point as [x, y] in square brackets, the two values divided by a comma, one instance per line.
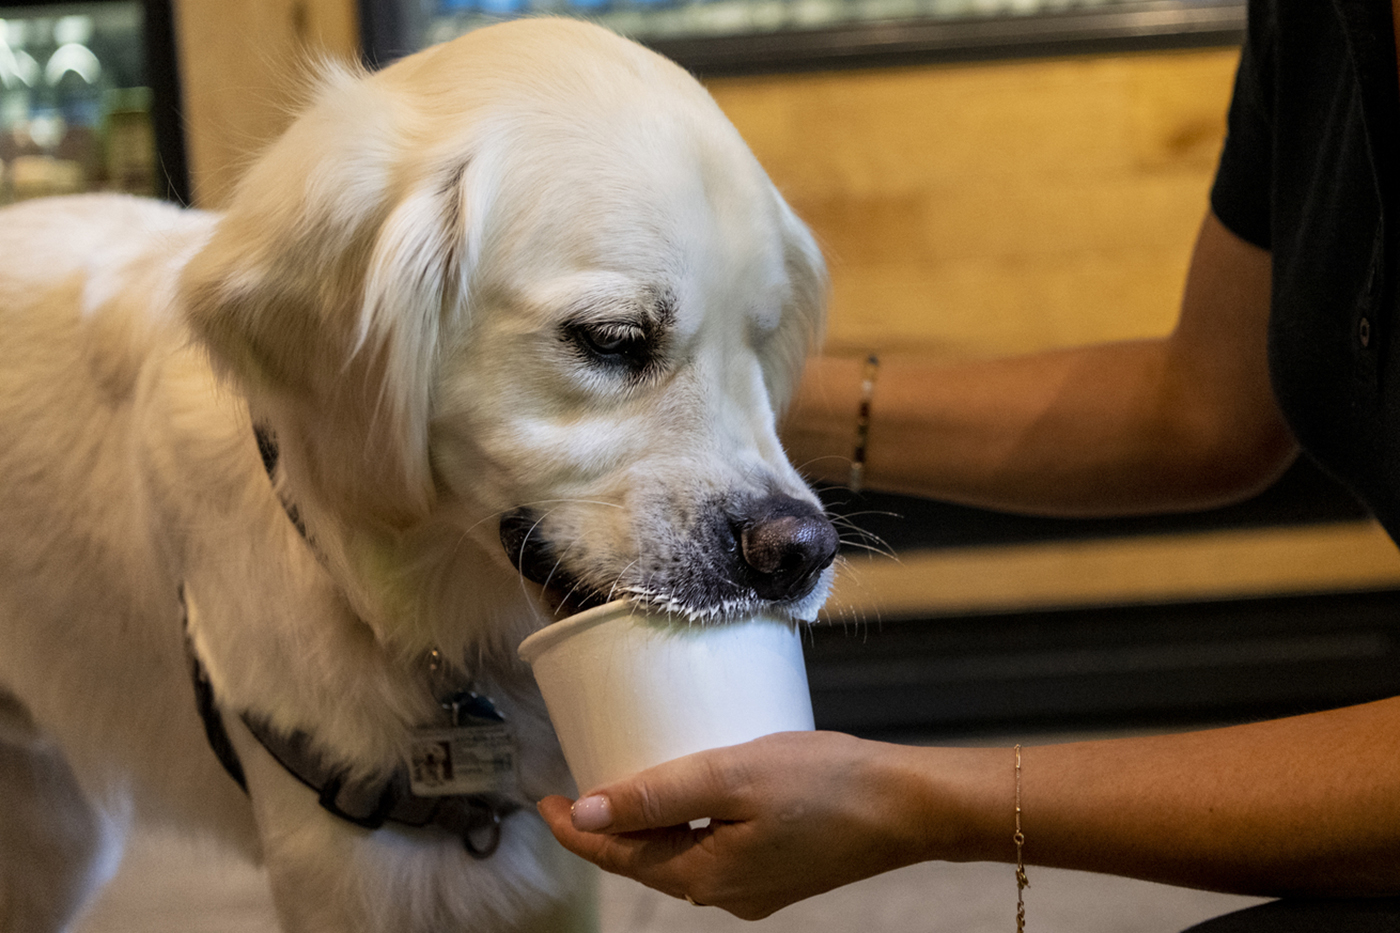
[74, 112]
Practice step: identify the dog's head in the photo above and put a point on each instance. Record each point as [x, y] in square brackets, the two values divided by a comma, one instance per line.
[528, 288]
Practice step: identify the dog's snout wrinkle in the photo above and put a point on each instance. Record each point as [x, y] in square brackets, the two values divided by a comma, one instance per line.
[786, 542]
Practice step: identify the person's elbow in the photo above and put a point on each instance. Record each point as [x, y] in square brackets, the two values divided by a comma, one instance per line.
[1232, 456]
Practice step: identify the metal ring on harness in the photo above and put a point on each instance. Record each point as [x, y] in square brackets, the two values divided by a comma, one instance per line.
[493, 841]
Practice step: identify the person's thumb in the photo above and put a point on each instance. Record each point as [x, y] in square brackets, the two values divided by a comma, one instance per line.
[670, 794]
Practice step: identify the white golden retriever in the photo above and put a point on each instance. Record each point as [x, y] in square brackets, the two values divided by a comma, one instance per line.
[512, 320]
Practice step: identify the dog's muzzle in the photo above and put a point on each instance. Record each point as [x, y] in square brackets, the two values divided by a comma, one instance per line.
[772, 548]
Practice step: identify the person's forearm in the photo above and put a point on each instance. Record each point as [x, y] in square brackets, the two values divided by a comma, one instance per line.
[1185, 421]
[1090, 431]
[1307, 805]
[1052, 433]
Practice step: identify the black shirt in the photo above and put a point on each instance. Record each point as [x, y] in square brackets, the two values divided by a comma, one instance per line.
[1309, 171]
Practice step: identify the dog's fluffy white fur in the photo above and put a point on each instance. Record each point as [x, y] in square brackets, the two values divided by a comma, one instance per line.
[532, 268]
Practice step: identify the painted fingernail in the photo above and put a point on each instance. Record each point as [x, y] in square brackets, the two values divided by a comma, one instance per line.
[591, 814]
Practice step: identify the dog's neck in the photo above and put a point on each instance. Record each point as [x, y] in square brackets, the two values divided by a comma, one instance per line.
[445, 679]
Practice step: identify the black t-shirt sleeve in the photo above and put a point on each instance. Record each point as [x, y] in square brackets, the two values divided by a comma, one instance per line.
[1240, 196]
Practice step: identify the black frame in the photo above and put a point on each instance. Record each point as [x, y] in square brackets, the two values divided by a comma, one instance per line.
[1158, 666]
[1138, 26]
[387, 28]
[167, 105]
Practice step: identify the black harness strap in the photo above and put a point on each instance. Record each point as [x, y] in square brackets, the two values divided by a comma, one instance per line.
[208, 709]
[268, 449]
[373, 802]
[369, 803]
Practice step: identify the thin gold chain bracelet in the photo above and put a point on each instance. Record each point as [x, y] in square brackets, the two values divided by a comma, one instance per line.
[867, 395]
[1020, 839]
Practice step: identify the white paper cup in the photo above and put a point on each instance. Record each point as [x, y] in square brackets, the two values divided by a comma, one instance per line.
[627, 690]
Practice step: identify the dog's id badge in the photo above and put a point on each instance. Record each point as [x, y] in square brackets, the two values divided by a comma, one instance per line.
[471, 759]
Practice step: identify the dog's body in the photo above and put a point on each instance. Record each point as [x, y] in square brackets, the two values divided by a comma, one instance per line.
[528, 286]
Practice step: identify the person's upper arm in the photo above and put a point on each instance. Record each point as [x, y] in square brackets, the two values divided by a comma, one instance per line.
[1218, 354]
[1218, 363]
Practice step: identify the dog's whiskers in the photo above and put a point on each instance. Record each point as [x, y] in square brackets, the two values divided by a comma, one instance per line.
[860, 537]
[568, 595]
[558, 564]
[572, 590]
[884, 550]
[849, 615]
[520, 559]
[617, 581]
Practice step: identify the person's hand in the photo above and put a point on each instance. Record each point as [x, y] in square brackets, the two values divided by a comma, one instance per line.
[792, 815]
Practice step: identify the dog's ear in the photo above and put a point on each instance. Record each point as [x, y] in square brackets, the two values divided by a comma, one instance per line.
[808, 294]
[322, 295]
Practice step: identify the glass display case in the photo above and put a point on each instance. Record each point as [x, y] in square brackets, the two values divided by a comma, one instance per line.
[735, 36]
[78, 103]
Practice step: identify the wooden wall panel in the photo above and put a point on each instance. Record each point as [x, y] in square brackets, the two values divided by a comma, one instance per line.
[243, 70]
[1001, 207]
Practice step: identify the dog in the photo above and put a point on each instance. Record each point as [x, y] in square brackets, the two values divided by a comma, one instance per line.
[490, 336]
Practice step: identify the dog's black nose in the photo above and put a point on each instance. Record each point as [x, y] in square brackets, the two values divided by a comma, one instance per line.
[786, 542]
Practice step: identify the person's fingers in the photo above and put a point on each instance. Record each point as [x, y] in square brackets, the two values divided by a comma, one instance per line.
[556, 812]
[660, 858]
[695, 787]
[592, 814]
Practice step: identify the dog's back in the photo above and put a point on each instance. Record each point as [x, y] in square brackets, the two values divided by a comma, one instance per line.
[91, 659]
[82, 300]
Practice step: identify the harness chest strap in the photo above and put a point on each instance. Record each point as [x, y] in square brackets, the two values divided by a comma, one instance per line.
[366, 803]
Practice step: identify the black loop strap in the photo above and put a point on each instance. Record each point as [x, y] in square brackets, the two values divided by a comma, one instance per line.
[329, 798]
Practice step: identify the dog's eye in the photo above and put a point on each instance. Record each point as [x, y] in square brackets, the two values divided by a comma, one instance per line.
[614, 343]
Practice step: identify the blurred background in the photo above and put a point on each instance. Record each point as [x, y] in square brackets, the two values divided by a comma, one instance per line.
[76, 100]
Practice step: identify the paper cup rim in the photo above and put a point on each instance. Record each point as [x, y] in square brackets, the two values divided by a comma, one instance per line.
[537, 644]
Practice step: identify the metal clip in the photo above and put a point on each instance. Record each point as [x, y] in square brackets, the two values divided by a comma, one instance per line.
[493, 840]
[469, 708]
